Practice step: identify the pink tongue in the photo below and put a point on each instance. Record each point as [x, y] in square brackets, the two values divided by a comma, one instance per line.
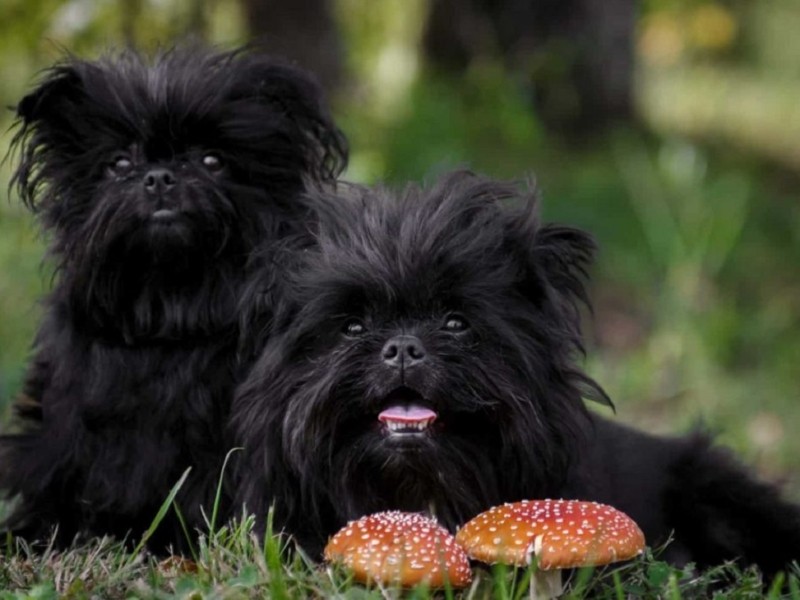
[407, 414]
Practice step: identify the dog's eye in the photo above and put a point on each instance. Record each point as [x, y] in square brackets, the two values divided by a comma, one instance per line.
[354, 327]
[121, 165]
[455, 324]
[212, 162]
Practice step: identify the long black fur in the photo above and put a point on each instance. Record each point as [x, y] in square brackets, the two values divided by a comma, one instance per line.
[492, 296]
[136, 358]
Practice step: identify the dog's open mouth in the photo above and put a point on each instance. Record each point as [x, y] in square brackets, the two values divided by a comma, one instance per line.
[407, 419]
[406, 415]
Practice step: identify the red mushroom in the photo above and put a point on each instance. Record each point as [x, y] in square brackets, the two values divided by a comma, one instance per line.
[401, 549]
[562, 534]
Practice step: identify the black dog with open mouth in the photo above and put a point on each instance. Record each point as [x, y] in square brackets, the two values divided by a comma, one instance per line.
[425, 359]
[154, 180]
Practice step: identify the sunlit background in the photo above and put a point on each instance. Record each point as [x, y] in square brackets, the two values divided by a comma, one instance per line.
[668, 128]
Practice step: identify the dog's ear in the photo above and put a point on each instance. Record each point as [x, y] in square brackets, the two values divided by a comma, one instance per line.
[553, 258]
[299, 98]
[59, 90]
[564, 254]
[48, 119]
[554, 267]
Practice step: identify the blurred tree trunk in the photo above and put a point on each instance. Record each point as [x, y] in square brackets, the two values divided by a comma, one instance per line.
[576, 56]
[303, 31]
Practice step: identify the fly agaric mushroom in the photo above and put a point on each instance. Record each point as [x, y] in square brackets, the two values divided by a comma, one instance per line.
[400, 548]
[562, 534]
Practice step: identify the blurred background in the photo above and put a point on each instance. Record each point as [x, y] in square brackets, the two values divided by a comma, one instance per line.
[668, 128]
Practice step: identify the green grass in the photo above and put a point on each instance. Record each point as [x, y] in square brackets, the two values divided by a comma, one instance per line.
[233, 563]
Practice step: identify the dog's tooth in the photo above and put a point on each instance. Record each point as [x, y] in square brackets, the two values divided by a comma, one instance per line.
[407, 427]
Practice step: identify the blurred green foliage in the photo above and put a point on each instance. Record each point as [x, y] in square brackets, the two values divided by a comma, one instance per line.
[697, 294]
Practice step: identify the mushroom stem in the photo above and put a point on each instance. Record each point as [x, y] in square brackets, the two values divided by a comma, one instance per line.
[545, 585]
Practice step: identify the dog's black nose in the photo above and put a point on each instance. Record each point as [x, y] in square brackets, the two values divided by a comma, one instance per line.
[403, 351]
[159, 180]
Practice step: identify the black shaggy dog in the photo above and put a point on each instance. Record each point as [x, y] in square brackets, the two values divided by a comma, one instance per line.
[155, 180]
[425, 359]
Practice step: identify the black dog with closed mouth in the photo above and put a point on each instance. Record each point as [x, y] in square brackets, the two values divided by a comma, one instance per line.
[425, 359]
[154, 182]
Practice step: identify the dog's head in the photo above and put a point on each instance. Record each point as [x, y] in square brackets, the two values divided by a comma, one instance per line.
[193, 151]
[426, 357]
[155, 178]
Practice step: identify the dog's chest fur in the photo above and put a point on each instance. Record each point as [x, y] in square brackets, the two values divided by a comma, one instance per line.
[116, 425]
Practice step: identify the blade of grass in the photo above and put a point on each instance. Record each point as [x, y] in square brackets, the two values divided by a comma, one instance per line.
[581, 582]
[618, 589]
[674, 589]
[272, 557]
[794, 587]
[185, 530]
[775, 590]
[499, 581]
[218, 495]
[524, 584]
[162, 512]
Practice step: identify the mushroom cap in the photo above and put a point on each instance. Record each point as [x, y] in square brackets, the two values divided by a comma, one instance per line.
[561, 533]
[400, 548]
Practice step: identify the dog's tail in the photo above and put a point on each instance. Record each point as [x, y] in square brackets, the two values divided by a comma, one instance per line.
[721, 511]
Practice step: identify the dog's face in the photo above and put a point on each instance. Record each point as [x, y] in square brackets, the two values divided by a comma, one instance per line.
[198, 152]
[427, 357]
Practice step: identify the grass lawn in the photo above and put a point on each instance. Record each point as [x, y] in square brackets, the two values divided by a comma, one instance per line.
[232, 563]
